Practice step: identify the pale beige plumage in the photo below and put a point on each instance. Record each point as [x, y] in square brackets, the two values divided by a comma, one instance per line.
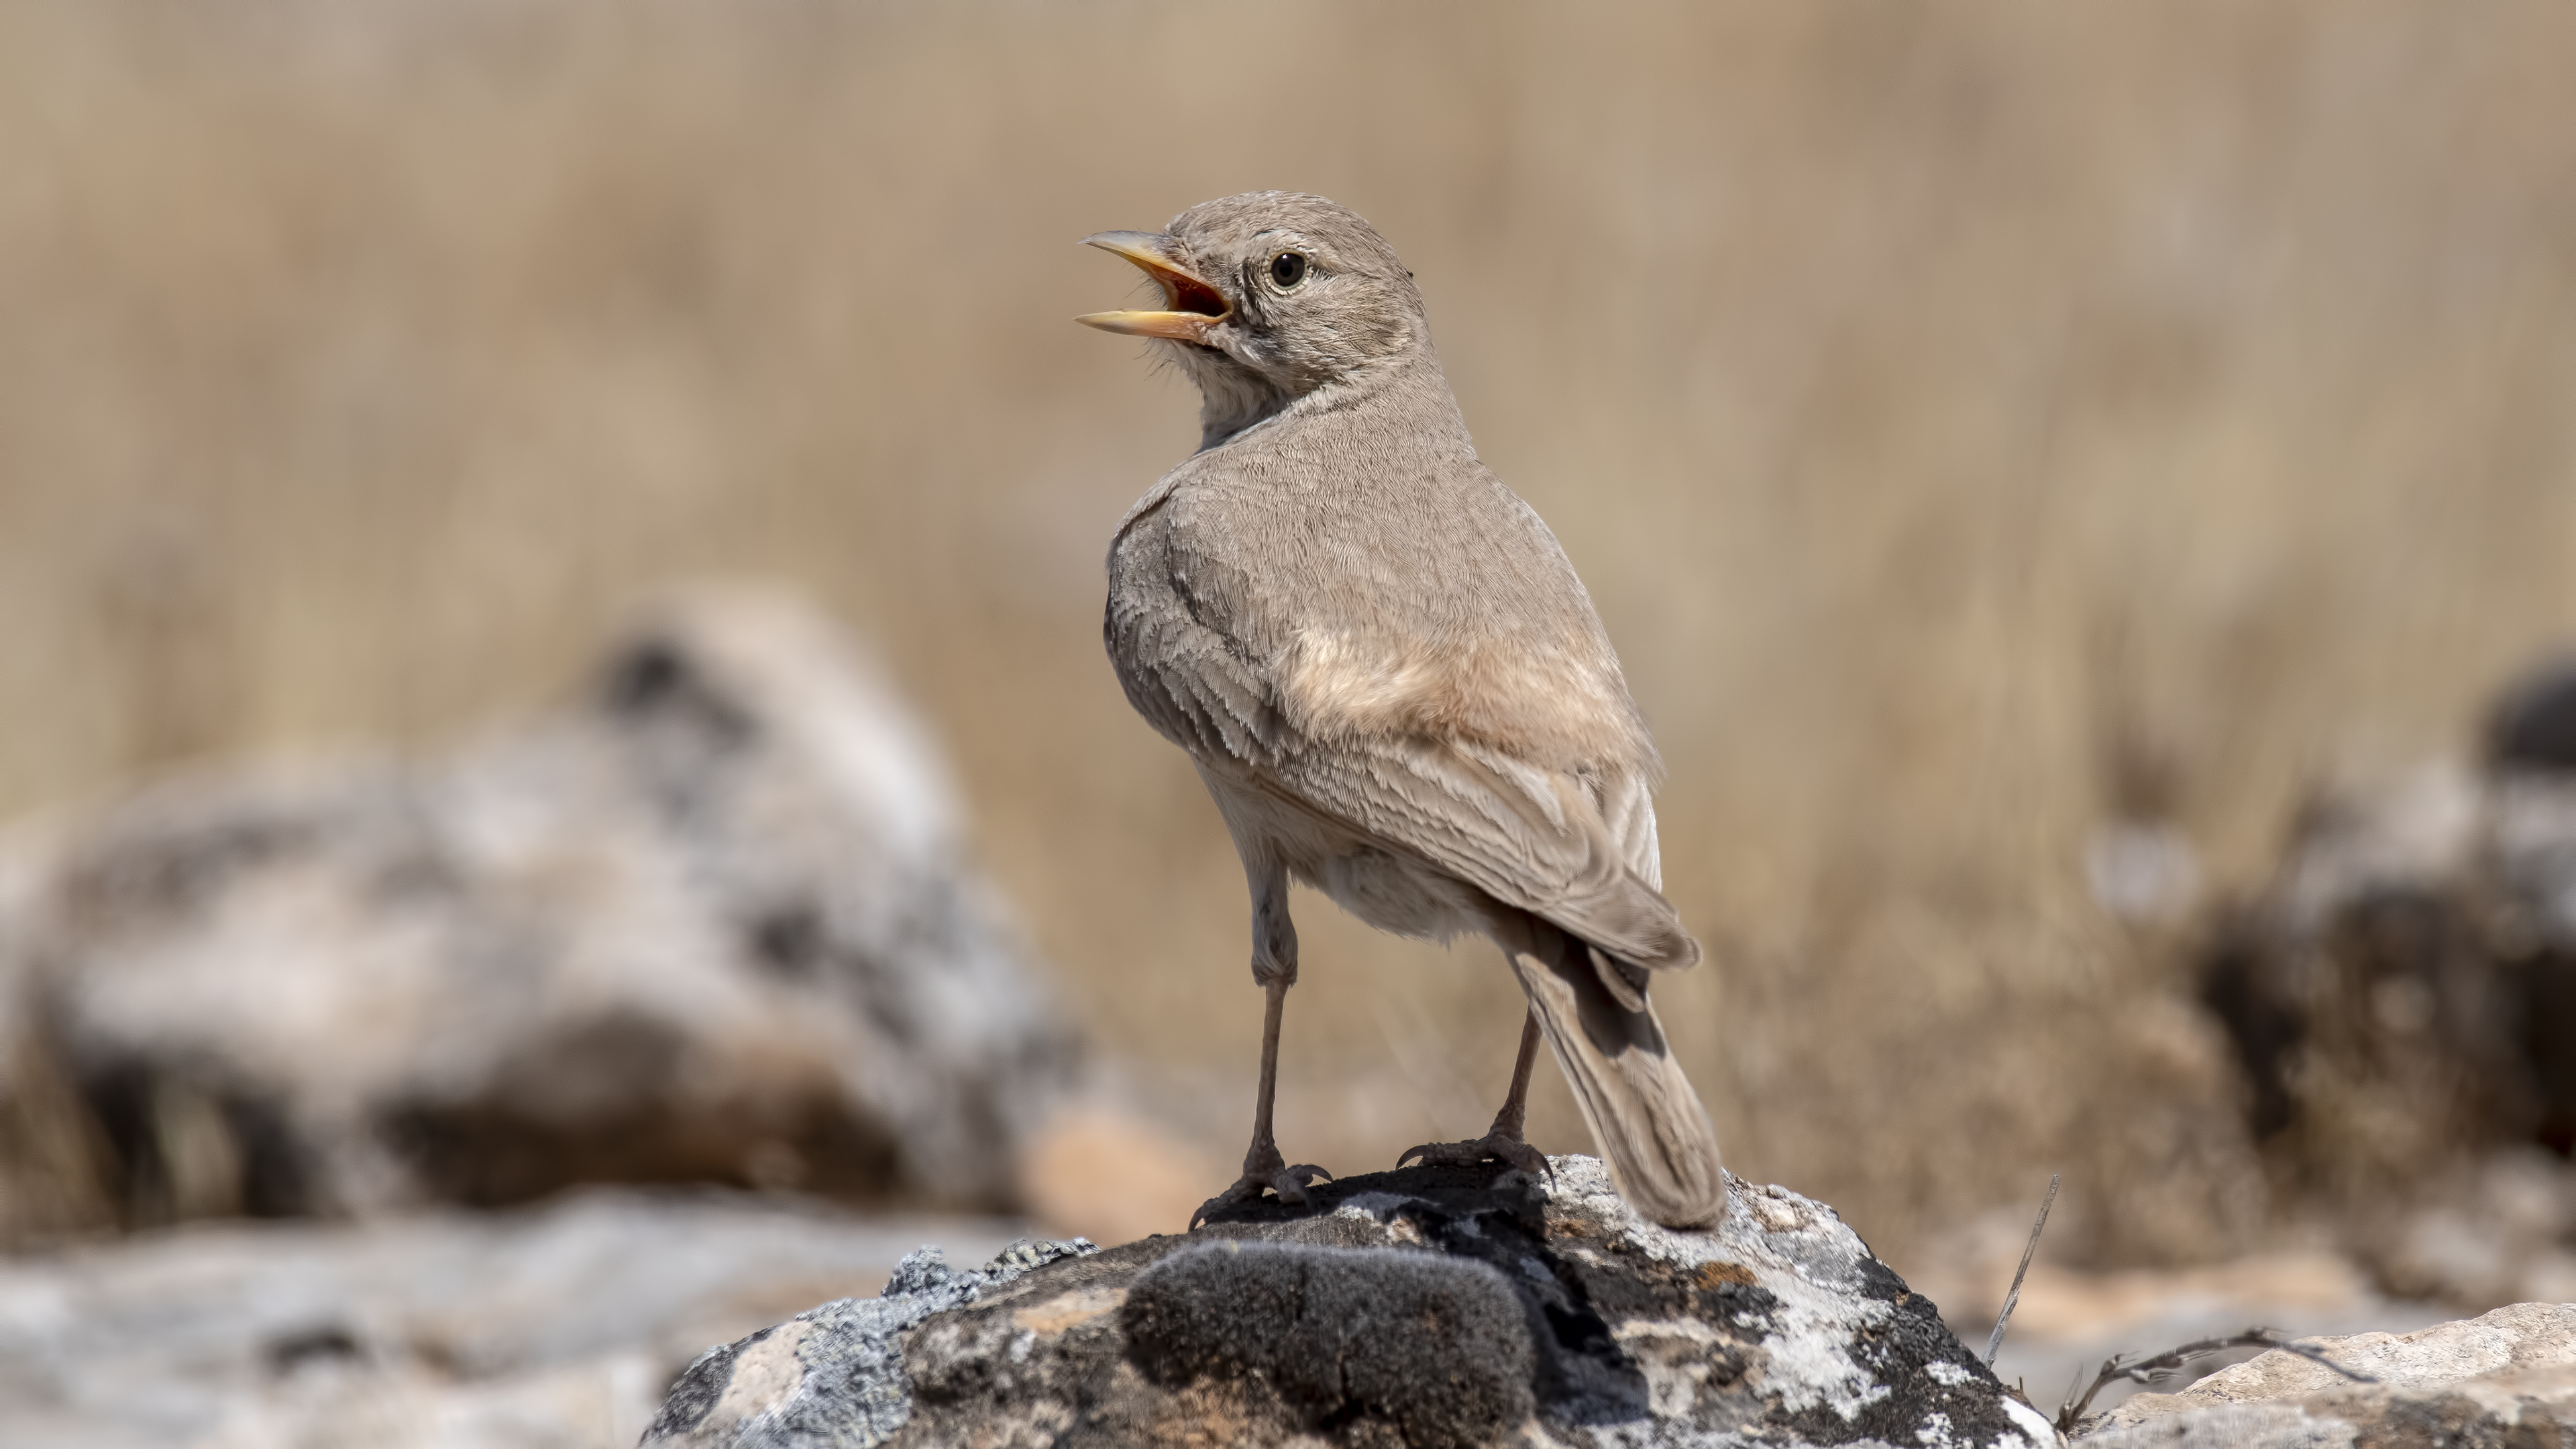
[1389, 676]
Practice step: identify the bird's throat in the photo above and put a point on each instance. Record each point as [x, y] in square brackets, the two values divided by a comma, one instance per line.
[1232, 397]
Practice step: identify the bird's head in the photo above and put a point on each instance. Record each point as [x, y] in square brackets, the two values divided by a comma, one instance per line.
[1269, 296]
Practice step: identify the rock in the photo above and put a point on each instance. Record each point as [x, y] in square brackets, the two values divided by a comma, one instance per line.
[550, 1327]
[2403, 992]
[831, 1375]
[1434, 1347]
[711, 923]
[2508, 1378]
[2498, 1235]
[1428, 1306]
[2365, 1008]
[2068, 1320]
[2533, 725]
[2402, 999]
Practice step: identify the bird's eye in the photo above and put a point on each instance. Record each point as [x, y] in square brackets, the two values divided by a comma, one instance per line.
[1288, 268]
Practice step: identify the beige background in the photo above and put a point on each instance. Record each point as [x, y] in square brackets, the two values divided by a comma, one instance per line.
[1976, 423]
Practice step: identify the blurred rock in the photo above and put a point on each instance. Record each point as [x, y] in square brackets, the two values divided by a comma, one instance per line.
[2402, 999]
[2533, 727]
[2140, 872]
[712, 924]
[2371, 1016]
[2508, 1378]
[2499, 1235]
[554, 1327]
[1426, 1307]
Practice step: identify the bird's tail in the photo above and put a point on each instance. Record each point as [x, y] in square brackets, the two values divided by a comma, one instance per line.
[1644, 1116]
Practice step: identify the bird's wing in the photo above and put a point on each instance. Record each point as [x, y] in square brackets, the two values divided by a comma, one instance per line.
[1528, 837]
[1539, 839]
[1192, 683]
[1628, 809]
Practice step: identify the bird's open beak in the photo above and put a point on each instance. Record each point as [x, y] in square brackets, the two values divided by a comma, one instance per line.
[1194, 305]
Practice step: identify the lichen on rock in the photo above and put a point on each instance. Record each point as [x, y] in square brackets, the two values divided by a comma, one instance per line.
[833, 1374]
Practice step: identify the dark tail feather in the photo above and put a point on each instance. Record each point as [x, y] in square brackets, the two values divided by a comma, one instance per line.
[1644, 1116]
[1630, 922]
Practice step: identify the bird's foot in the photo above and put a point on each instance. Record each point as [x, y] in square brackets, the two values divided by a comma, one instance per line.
[1500, 1145]
[1263, 1171]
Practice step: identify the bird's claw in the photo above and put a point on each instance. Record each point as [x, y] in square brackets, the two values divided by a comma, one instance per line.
[1493, 1146]
[1291, 1182]
[1288, 1183]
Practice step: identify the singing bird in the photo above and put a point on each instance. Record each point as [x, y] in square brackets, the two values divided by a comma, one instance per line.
[1391, 680]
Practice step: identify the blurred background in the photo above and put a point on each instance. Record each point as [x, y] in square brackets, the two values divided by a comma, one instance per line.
[2034, 461]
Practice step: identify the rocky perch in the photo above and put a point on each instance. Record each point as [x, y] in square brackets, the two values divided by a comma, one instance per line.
[2503, 1381]
[1431, 1306]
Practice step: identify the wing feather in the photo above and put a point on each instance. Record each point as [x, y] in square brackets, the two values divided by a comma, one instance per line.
[1528, 837]
[1574, 851]
[1189, 681]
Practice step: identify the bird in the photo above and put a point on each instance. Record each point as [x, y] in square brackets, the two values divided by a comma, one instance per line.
[1391, 681]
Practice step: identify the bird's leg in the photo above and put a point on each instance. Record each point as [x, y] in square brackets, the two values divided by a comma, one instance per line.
[1263, 1168]
[1262, 1161]
[1274, 965]
[1515, 1114]
[1503, 1141]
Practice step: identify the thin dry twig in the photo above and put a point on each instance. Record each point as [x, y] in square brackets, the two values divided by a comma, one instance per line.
[2012, 1300]
[2161, 1366]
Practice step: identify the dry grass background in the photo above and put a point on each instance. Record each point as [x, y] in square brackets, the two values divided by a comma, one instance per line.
[1975, 423]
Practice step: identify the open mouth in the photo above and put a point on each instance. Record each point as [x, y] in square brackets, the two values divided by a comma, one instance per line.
[1190, 305]
[1185, 293]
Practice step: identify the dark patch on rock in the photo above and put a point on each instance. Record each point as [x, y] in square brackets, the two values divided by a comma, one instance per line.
[1489, 1214]
[1436, 1347]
